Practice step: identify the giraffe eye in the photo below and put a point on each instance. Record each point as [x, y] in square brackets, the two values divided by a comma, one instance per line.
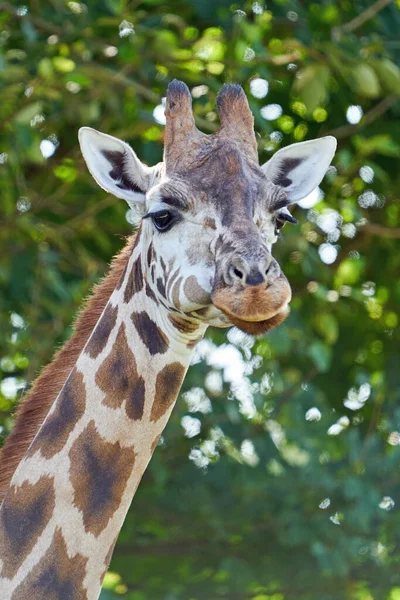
[162, 220]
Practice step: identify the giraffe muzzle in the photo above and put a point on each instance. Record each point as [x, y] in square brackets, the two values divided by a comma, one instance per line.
[254, 308]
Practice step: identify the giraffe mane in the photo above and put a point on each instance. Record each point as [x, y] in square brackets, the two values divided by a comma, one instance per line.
[33, 410]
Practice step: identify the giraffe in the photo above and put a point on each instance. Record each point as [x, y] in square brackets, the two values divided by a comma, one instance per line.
[209, 215]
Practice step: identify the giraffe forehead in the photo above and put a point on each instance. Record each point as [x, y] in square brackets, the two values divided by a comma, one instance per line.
[220, 176]
[225, 168]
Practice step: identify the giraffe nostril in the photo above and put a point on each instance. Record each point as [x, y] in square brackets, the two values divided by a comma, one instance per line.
[238, 273]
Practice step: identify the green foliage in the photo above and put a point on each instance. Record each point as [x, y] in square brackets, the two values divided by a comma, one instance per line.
[291, 489]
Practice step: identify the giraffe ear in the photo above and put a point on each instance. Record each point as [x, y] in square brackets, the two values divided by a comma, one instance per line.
[299, 168]
[115, 167]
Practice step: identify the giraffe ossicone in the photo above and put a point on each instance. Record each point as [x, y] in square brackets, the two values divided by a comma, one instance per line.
[209, 215]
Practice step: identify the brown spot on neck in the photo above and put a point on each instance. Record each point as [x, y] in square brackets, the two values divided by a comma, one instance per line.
[37, 403]
[99, 338]
[135, 280]
[151, 335]
[58, 425]
[149, 292]
[168, 384]
[57, 576]
[99, 472]
[24, 515]
[118, 378]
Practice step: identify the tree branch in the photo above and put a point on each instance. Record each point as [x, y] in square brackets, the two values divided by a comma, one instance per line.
[381, 231]
[291, 391]
[372, 115]
[37, 21]
[104, 74]
[359, 20]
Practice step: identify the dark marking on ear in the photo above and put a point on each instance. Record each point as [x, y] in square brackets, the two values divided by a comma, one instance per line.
[151, 335]
[117, 173]
[168, 384]
[287, 166]
[99, 472]
[118, 378]
[24, 514]
[135, 280]
[57, 576]
[58, 425]
[101, 333]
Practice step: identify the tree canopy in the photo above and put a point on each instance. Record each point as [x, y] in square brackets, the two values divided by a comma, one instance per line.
[278, 475]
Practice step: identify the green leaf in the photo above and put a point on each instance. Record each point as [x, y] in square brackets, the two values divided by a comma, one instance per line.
[349, 272]
[388, 74]
[327, 326]
[311, 86]
[45, 68]
[321, 354]
[381, 144]
[26, 114]
[63, 64]
[364, 81]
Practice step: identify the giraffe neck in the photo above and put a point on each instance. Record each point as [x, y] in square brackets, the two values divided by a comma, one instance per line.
[69, 496]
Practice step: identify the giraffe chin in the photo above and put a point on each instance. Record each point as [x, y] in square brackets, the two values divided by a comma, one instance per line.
[259, 327]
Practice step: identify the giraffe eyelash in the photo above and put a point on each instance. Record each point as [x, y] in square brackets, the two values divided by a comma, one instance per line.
[287, 216]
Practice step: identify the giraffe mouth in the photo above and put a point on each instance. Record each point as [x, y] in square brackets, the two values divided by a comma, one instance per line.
[259, 327]
[255, 309]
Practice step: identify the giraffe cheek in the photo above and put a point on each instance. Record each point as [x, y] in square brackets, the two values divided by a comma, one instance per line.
[195, 293]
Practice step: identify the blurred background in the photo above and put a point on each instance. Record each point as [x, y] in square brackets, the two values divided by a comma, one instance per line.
[278, 475]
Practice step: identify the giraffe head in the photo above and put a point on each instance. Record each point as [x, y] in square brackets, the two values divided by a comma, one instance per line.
[210, 213]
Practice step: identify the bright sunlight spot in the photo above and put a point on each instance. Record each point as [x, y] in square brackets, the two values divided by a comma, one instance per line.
[354, 114]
